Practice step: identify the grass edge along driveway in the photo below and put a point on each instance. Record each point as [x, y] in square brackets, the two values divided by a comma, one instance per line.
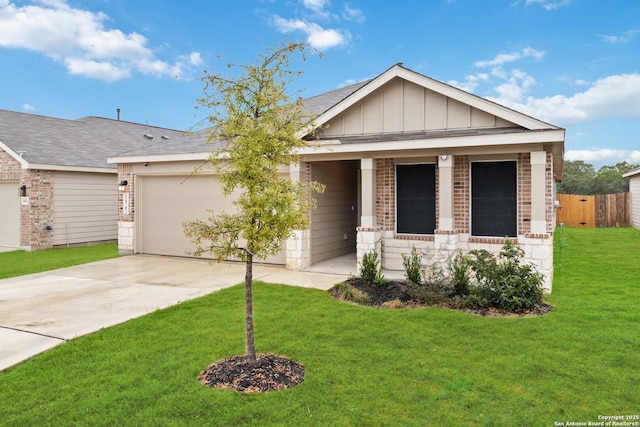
[19, 262]
[364, 366]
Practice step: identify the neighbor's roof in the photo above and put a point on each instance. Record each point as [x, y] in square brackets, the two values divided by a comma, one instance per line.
[632, 173]
[48, 142]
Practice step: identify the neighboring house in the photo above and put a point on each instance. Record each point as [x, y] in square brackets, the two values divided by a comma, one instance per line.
[634, 189]
[56, 187]
[406, 160]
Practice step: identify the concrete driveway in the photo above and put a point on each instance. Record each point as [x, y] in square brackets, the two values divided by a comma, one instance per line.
[40, 311]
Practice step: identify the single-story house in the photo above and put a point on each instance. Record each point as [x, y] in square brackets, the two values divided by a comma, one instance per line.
[56, 187]
[407, 161]
[634, 190]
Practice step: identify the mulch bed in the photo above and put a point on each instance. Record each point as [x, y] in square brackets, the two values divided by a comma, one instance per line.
[389, 294]
[270, 372]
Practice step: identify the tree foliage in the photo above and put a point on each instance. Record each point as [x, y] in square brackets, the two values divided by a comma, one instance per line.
[579, 177]
[256, 130]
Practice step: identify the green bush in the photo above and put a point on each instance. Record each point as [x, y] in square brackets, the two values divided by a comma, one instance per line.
[506, 282]
[370, 271]
[412, 266]
[459, 268]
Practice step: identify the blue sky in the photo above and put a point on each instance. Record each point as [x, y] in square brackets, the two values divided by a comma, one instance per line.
[573, 63]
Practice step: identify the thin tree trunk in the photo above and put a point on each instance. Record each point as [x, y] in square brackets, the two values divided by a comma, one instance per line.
[248, 286]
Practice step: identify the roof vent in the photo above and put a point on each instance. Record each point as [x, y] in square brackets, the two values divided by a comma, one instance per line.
[164, 137]
[146, 135]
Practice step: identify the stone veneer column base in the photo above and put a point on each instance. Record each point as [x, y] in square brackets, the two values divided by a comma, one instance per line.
[126, 238]
[298, 250]
[538, 250]
[368, 239]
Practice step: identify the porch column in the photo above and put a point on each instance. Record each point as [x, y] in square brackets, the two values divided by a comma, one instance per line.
[538, 192]
[368, 170]
[297, 247]
[445, 193]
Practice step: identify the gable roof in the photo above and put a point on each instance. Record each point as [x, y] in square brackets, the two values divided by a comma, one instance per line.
[51, 143]
[399, 71]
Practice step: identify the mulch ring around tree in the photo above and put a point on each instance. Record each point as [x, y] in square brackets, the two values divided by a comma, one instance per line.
[393, 294]
[270, 372]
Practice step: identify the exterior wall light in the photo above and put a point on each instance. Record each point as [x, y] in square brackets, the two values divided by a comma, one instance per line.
[22, 191]
[123, 185]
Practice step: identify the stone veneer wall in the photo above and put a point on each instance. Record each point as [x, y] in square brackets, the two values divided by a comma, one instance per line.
[441, 247]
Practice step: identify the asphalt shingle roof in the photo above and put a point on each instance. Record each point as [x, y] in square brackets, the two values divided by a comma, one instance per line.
[89, 141]
[85, 142]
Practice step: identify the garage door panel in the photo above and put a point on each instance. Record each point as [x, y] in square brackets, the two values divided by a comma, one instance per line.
[9, 215]
[167, 202]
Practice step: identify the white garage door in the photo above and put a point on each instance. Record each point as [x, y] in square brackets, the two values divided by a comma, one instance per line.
[9, 215]
[164, 203]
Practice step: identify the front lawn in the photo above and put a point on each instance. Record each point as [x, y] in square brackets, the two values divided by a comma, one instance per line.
[19, 263]
[364, 366]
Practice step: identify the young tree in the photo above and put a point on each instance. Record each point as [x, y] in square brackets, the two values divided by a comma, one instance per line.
[257, 129]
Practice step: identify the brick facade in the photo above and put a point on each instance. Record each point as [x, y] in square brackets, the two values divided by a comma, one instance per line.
[36, 218]
[537, 248]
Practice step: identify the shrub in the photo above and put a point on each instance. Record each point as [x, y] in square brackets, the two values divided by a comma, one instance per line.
[505, 282]
[346, 292]
[370, 271]
[460, 274]
[412, 266]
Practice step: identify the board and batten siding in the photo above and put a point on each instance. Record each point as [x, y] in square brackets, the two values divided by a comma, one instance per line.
[335, 216]
[634, 189]
[85, 207]
[402, 106]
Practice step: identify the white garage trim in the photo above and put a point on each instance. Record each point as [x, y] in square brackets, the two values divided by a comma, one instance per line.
[165, 202]
[9, 214]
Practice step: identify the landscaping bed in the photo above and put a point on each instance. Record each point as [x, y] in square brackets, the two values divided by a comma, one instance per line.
[397, 294]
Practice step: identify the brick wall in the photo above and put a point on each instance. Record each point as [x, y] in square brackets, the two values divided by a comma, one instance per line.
[524, 193]
[10, 169]
[38, 214]
[385, 194]
[461, 193]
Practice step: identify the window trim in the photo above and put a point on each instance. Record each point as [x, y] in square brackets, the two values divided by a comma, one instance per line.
[517, 183]
[395, 195]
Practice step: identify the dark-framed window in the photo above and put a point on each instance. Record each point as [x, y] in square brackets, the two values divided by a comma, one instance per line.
[494, 199]
[416, 199]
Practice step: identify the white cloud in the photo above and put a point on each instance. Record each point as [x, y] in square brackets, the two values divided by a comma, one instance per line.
[195, 59]
[616, 96]
[28, 107]
[603, 155]
[315, 5]
[504, 58]
[318, 37]
[624, 38]
[549, 4]
[78, 39]
[353, 14]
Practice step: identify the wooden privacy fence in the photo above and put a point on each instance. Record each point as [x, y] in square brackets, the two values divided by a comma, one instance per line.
[602, 210]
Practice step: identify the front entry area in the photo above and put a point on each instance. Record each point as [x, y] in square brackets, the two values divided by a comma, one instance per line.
[334, 221]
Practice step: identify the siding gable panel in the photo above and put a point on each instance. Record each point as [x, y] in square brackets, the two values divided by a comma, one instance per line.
[402, 106]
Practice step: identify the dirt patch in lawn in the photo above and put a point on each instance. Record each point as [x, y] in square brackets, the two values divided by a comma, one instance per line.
[396, 294]
[270, 372]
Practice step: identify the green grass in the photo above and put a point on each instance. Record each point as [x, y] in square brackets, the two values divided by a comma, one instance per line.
[365, 366]
[18, 263]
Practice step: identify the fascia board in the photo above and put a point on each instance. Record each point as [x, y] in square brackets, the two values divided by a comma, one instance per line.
[23, 163]
[64, 168]
[438, 143]
[159, 158]
[631, 173]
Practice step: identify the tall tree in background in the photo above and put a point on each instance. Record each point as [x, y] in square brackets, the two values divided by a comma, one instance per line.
[579, 177]
[257, 129]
